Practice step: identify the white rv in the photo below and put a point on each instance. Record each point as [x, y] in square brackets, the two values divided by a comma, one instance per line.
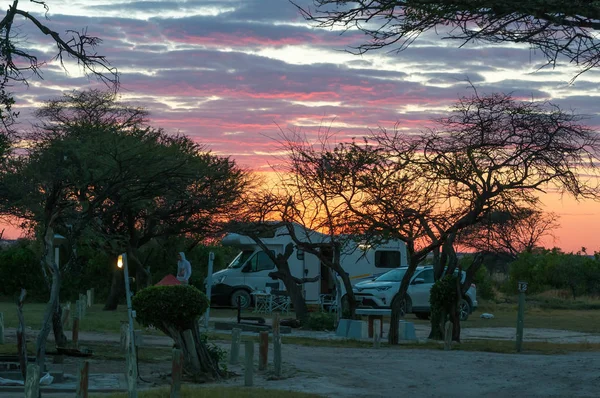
[250, 269]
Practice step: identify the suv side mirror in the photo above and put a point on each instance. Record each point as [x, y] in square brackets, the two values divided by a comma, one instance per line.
[418, 281]
[247, 268]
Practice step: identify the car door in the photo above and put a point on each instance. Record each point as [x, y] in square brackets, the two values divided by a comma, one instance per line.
[419, 290]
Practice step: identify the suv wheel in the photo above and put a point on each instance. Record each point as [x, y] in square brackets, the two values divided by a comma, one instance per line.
[464, 309]
[407, 308]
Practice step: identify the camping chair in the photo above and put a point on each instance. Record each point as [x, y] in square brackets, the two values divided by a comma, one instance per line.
[280, 298]
[328, 301]
[263, 302]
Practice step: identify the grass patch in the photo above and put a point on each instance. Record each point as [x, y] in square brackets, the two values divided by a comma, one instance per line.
[215, 392]
[95, 319]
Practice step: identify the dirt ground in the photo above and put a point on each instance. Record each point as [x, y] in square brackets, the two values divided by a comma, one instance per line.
[354, 372]
[351, 372]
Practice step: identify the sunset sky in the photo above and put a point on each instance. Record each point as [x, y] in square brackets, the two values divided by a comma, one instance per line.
[231, 73]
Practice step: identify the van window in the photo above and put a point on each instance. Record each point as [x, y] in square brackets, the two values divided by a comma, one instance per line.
[240, 259]
[387, 259]
[261, 262]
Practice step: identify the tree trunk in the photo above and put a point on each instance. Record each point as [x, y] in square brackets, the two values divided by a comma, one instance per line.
[438, 322]
[198, 363]
[57, 327]
[48, 261]
[142, 275]
[283, 273]
[117, 290]
[399, 305]
[352, 304]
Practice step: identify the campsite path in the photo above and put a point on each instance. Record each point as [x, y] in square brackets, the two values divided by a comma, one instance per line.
[390, 372]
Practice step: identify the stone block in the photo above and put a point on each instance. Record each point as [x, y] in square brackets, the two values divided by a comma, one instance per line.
[406, 331]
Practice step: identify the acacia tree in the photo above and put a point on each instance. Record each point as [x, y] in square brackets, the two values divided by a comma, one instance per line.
[554, 27]
[148, 184]
[41, 190]
[509, 233]
[306, 179]
[491, 152]
[189, 191]
[18, 63]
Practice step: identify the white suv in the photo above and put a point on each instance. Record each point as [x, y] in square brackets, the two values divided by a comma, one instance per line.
[380, 292]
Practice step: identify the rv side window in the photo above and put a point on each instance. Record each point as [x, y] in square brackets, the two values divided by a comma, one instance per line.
[387, 259]
[261, 262]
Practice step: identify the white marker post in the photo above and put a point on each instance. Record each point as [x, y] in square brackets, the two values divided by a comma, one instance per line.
[211, 259]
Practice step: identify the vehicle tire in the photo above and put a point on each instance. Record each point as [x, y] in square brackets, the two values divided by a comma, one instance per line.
[246, 299]
[464, 309]
[422, 315]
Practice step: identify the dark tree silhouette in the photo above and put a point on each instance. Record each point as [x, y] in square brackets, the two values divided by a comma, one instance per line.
[554, 27]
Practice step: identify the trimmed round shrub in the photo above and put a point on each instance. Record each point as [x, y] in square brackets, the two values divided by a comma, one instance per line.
[180, 306]
[320, 321]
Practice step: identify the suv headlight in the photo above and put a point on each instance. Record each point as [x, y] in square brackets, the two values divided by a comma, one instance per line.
[383, 288]
[220, 279]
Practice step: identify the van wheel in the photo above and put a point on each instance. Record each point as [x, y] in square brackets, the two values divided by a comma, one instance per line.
[464, 309]
[245, 299]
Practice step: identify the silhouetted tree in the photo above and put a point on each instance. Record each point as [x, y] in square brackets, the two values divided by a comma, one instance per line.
[554, 27]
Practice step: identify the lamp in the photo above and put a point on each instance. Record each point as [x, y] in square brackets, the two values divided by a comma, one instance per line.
[132, 363]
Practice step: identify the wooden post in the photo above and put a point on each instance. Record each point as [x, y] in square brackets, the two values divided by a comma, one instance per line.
[1, 328]
[377, 333]
[65, 315]
[77, 310]
[124, 335]
[75, 329]
[276, 346]
[83, 302]
[234, 353]
[139, 338]
[88, 295]
[82, 385]
[32, 384]
[448, 336]
[263, 350]
[275, 325]
[249, 362]
[521, 315]
[176, 371]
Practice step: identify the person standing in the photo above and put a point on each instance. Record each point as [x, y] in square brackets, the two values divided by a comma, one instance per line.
[184, 269]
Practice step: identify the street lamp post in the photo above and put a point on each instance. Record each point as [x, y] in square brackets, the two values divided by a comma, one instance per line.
[131, 352]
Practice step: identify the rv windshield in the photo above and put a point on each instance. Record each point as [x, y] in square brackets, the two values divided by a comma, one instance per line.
[394, 275]
[240, 259]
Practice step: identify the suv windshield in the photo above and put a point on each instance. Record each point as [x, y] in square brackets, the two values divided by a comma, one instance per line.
[394, 275]
[240, 259]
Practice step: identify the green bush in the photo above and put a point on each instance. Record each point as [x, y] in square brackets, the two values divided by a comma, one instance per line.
[552, 269]
[20, 268]
[180, 306]
[443, 296]
[485, 286]
[320, 321]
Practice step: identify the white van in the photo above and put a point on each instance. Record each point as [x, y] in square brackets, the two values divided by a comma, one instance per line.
[250, 269]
